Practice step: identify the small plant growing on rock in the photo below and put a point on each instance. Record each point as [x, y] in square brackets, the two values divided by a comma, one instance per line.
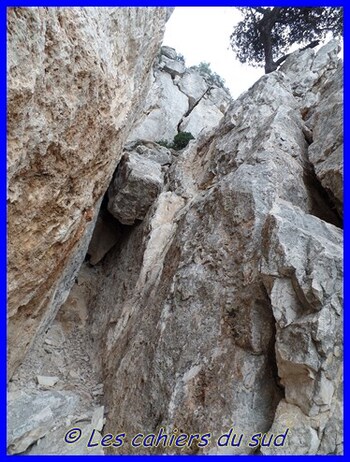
[181, 140]
[210, 76]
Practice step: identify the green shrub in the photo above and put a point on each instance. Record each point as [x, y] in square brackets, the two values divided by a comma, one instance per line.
[181, 140]
[210, 76]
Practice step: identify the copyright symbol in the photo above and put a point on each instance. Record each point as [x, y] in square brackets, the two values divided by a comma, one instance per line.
[73, 435]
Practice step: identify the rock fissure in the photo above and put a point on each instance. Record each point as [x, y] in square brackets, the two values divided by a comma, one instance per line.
[323, 202]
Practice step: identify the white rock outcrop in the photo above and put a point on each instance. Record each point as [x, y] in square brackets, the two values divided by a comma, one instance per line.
[180, 99]
[135, 186]
[224, 306]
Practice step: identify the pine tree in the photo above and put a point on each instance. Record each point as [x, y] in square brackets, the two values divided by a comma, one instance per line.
[265, 33]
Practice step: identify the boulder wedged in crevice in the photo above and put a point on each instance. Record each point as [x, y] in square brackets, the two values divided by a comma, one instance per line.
[135, 186]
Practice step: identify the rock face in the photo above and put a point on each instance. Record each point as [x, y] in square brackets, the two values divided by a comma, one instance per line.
[31, 415]
[136, 185]
[326, 151]
[212, 301]
[76, 78]
[180, 100]
[223, 307]
[39, 416]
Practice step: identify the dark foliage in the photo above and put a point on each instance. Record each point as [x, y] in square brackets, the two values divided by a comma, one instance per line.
[265, 33]
[181, 140]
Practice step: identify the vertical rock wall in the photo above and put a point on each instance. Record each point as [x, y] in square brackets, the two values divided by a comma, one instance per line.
[224, 306]
[76, 78]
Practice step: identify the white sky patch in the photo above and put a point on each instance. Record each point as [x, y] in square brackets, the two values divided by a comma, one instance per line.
[203, 34]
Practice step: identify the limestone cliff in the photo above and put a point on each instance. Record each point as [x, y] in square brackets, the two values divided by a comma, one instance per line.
[211, 292]
[181, 99]
[76, 77]
[223, 307]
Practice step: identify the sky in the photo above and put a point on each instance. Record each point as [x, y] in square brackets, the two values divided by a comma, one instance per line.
[203, 34]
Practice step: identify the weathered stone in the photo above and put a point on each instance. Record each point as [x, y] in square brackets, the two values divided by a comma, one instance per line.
[47, 382]
[301, 438]
[172, 67]
[308, 70]
[69, 356]
[204, 116]
[164, 108]
[153, 151]
[193, 85]
[97, 420]
[223, 307]
[169, 52]
[34, 414]
[179, 100]
[54, 442]
[303, 265]
[137, 183]
[235, 303]
[55, 336]
[207, 113]
[326, 150]
[220, 98]
[76, 78]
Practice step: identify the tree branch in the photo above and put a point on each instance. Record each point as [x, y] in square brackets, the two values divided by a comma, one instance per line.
[310, 45]
[259, 10]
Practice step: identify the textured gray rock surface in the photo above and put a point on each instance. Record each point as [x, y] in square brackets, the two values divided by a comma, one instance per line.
[34, 414]
[322, 109]
[326, 150]
[180, 100]
[38, 419]
[76, 78]
[136, 184]
[224, 306]
[302, 272]
[193, 85]
[207, 113]
[164, 107]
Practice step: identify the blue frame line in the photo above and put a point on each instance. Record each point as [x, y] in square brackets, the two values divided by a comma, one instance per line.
[3, 255]
[346, 222]
[142, 3]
